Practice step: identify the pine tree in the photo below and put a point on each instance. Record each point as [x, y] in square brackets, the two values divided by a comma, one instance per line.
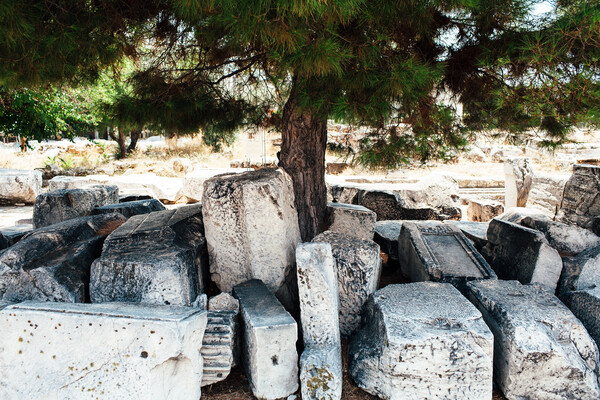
[382, 64]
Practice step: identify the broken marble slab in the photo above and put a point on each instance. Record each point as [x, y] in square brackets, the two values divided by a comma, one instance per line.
[220, 345]
[439, 252]
[11, 235]
[269, 342]
[131, 208]
[252, 230]
[321, 360]
[541, 350]
[53, 263]
[523, 254]
[358, 269]
[580, 272]
[422, 340]
[474, 231]
[519, 178]
[581, 203]
[585, 305]
[155, 258]
[60, 351]
[63, 204]
[386, 236]
[19, 186]
[352, 220]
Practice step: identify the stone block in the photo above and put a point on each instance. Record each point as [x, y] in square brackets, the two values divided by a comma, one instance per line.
[422, 341]
[352, 220]
[220, 345]
[546, 192]
[523, 254]
[386, 236]
[223, 302]
[581, 271]
[519, 177]
[107, 351]
[585, 305]
[321, 360]
[581, 200]
[358, 269]
[567, 239]
[474, 231]
[193, 182]
[11, 235]
[252, 230]
[19, 186]
[541, 351]
[156, 258]
[60, 205]
[53, 263]
[483, 210]
[131, 208]
[269, 342]
[434, 251]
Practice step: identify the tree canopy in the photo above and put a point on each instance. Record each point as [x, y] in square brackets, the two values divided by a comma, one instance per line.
[382, 64]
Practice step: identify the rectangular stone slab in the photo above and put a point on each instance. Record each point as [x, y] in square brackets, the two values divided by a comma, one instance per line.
[107, 351]
[269, 349]
[433, 251]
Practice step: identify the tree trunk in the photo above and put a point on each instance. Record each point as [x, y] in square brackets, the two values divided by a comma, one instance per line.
[303, 157]
[120, 139]
[134, 135]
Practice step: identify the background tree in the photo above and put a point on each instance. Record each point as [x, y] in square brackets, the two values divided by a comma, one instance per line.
[377, 63]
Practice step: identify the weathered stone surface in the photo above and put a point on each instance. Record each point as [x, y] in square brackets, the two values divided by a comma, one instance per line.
[352, 220]
[220, 345]
[53, 263]
[518, 214]
[581, 202]
[386, 236]
[523, 254]
[422, 341]
[19, 186]
[60, 205]
[483, 210]
[585, 304]
[223, 302]
[358, 268]
[107, 351]
[11, 235]
[193, 182]
[475, 231]
[567, 239]
[581, 271]
[321, 360]
[546, 192]
[519, 177]
[252, 230]
[541, 351]
[69, 182]
[134, 197]
[131, 208]
[434, 251]
[156, 258]
[269, 344]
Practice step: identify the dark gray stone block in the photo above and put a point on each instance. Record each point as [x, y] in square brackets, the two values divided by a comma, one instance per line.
[475, 231]
[585, 304]
[10, 236]
[131, 208]
[386, 236]
[581, 200]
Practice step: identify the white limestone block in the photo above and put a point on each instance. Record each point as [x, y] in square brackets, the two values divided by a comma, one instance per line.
[19, 185]
[109, 351]
[352, 220]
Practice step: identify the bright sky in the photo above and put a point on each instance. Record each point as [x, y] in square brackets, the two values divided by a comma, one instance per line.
[543, 7]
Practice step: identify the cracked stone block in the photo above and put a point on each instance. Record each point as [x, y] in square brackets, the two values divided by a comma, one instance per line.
[523, 254]
[547, 192]
[581, 199]
[131, 208]
[581, 271]
[53, 263]
[585, 305]
[270, 334]
[155, 258]
[11, 235]
[60, 351]
[220, 345]
[386, 236]
[63, 204]
[252, 230]
[518, 174]
[352, 220]
[19, 186]
[321, 360]
[541, 350]
[483, 210]
[358, 268]
[422, 340]
[439, 252]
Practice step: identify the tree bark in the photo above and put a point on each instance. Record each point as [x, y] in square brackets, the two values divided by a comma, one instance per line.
[120, 139]
[302, 156]
[134, 135]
